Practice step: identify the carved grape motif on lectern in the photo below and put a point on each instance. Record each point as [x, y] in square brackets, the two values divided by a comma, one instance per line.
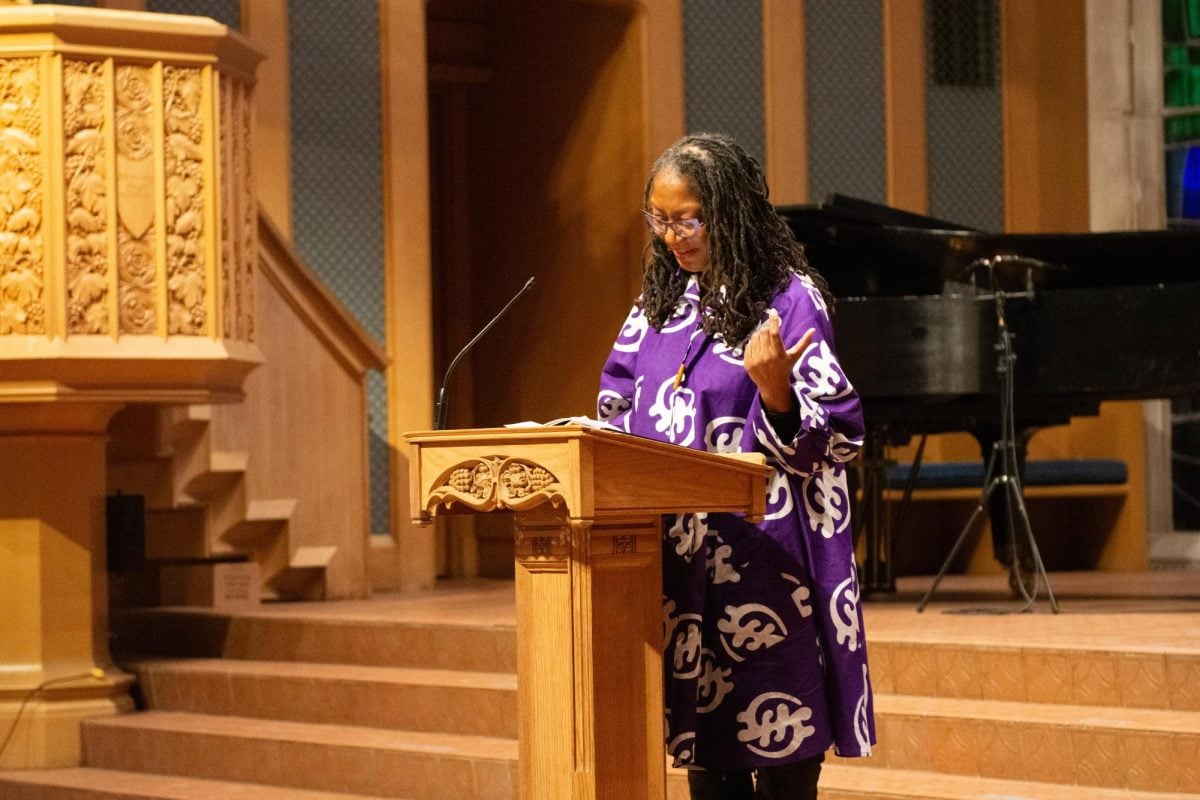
[476, 482]
[521, 480]
[496, 482]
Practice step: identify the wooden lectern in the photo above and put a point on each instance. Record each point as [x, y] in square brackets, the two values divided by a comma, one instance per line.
[589, 597]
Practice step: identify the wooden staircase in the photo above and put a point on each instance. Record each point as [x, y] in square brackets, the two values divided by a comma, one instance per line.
[198, 506]
[275, 480]
[367, 699]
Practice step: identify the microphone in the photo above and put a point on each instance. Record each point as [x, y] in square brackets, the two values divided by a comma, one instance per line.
[439, 410]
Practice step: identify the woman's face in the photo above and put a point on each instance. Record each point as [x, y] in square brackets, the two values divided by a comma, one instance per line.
[672, 199]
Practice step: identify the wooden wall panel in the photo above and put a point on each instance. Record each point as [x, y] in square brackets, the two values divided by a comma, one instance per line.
[409, 560]
[560, 201]
[785, 97]
[904, 105]
[659, 32]
[1044, 69]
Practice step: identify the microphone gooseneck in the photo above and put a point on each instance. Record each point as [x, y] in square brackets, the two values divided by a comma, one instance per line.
[439, 409]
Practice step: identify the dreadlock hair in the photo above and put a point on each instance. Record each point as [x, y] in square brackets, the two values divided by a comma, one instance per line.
[752, 251]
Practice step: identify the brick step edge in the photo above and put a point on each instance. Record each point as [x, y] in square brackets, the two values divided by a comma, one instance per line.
[142, 634]
[1153, 720]
[840, 780]
[322, 671]
[397, 698]
[106, 784]
[188, 724]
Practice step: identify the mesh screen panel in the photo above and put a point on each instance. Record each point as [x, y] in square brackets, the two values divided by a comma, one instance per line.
[226, 12]
[337, 193]
[723, 69]
[963, 112]
[844, 60]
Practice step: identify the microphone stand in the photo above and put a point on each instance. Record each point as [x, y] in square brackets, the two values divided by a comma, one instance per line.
[439, 408]
[1003, 470]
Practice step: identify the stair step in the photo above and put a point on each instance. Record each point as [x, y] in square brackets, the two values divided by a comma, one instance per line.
[845, 779]
[178, 423]
[224, 467]
[274, 635]
[841, 781]
[1067, 744]
[1060, 714]
[371, 761]
[1129, 676]
[278, 510]
[449, 701]
[312, 557]
[261, 519]
[86, 783]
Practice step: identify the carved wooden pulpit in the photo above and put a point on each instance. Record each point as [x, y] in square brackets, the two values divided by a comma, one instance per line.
[587, 505]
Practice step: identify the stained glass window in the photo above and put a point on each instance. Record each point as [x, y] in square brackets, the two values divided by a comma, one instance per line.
[1181, 106]
[1181, 134]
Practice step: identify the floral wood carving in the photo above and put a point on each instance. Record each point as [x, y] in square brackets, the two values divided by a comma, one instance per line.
[137, 272]
[183, 156]
[496, 482]
[22, 254]
[239, 223]
[229, 310]
[87, 198]
[249, 214]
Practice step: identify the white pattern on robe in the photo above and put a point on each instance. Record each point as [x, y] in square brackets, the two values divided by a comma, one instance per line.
[779, 670]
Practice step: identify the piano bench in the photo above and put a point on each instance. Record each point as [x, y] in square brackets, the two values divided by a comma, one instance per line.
[1066, 477]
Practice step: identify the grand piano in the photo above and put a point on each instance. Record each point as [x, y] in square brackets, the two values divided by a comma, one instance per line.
[1092, 317]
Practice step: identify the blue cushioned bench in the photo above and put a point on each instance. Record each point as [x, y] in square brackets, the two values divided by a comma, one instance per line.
[1038, 472]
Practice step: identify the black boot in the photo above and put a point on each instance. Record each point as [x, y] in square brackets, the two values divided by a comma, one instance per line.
[794, 781]
[714, 785]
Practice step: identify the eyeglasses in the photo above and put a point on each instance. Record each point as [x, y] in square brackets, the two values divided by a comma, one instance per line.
[682, 228]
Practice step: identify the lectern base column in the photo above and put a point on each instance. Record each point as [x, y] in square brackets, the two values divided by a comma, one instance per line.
[591, 723]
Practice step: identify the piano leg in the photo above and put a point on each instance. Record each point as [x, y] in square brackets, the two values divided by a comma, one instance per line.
[872, 518]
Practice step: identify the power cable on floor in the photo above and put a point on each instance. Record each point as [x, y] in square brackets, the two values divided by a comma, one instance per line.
[95, 672]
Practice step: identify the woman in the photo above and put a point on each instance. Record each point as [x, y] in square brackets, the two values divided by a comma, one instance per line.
[730, 348]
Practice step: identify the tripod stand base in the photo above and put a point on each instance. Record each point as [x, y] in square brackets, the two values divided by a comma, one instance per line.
[1022, 580]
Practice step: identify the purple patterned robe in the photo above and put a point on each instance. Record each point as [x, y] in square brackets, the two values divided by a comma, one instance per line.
[764, 655]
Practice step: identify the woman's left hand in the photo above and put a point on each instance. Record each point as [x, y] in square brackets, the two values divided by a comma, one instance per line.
[769, 363]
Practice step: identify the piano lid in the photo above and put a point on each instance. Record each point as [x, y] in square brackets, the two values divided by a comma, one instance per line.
[866, 249]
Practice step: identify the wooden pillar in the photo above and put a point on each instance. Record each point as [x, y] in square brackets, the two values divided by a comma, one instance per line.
[904, 105]
[54, 656]
[409, 560]
[1044, 101]
[266, 23]
[663, 104]
[785, 100]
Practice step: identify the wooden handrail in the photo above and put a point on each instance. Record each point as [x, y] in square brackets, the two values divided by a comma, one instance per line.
[315, 303]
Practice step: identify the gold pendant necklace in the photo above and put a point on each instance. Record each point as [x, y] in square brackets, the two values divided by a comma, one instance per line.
[681, 373]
